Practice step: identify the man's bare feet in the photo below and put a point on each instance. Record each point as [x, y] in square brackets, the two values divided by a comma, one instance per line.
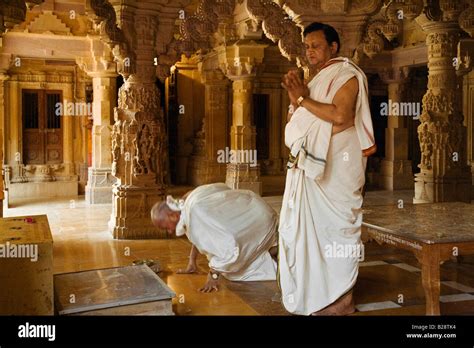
[276, 297]
[342, 306]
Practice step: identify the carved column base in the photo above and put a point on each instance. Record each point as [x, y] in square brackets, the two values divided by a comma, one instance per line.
[131, 213]
[99, 186]
[15, 174]
[244, 176]
[203, 171]
[429, 189]
[396, 175]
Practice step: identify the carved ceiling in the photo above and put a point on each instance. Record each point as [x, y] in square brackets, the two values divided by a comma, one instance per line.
[199, 26]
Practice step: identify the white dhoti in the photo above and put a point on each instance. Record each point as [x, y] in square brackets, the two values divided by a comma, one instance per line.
[322, 213]
[234, 229]
[321, 209]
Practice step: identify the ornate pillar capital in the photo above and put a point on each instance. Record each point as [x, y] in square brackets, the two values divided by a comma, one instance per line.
[241, 59]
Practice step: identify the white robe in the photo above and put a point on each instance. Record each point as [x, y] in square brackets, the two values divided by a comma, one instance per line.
[234, 229]
[323, 211]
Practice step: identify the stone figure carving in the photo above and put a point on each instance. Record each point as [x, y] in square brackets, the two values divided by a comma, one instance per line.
[425, 145]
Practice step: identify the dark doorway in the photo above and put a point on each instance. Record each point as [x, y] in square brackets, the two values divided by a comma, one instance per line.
[42, 131]
[379, 122]
[262, 125]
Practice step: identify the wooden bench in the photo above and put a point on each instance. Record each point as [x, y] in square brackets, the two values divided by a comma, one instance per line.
[433, 232]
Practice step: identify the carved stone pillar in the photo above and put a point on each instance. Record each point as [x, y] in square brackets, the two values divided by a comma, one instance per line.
[211, 141]
[13, 129]
[444, 174]
[243, 173]
[68, 141]
[138, 143]
[100, 179]
[396, 172]
[239, 62]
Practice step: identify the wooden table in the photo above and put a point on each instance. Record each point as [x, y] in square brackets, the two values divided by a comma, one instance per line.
[433, 232]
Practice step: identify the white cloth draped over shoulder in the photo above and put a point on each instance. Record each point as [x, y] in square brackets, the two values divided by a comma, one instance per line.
[321, 208]
[308, 136]
[234, 229]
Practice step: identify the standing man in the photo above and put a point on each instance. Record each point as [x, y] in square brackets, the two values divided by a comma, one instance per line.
[330, 135]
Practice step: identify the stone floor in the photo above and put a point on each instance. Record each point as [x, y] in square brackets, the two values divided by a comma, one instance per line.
[389, 280]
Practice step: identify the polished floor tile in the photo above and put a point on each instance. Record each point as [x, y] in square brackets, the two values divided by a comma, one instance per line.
[387, 275]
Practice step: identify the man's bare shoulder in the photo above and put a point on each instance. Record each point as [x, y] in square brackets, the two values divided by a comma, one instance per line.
[350, 88]
[352, 84]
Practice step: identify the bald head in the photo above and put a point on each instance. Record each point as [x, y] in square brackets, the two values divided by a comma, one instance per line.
[163, 217]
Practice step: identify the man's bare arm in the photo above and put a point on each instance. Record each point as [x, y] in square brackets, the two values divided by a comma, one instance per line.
[192, 265]
[193, 254]
[342, 109]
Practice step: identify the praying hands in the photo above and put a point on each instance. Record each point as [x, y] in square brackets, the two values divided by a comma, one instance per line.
[295, 87]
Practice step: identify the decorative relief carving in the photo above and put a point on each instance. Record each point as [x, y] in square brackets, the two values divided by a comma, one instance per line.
[411, 8]
[441, 133]
[387, 24]
[451, 9]
[442, 44]
[373, 42]
[197, 29]
[43, 78]
[394, 15]
[441, 81]
[440, 103]
[105, 20]
[279, 28]
[138, 136]
[367, 7]
[441, 139]
[466, 19]
[198, 32]
[426, 146]
[12, 13]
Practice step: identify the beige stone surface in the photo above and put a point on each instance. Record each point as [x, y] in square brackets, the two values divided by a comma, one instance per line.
[27, 281]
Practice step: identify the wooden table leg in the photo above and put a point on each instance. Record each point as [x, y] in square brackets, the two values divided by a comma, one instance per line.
[430, 260]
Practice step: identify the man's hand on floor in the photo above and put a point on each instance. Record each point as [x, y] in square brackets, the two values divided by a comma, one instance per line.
[191, 268]
[211, 285]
